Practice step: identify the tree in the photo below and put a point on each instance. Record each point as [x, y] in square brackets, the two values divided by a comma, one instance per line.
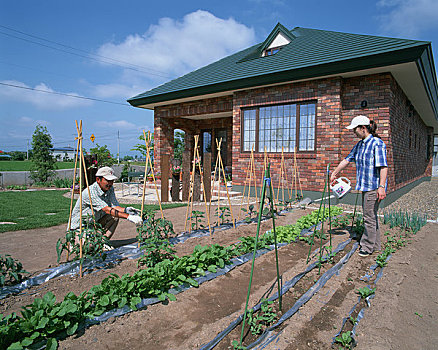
[43, 163]
[103, 156]
[178, 144]
[141, 147]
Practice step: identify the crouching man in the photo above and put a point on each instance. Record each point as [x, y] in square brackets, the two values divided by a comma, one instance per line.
[107, 209]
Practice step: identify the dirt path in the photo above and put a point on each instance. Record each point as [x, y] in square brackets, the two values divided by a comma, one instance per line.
[404, 313]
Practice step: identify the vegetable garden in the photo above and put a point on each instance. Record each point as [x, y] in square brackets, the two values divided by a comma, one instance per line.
[273, 279]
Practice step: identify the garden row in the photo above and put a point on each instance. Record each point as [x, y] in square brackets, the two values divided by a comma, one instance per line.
[45, 319]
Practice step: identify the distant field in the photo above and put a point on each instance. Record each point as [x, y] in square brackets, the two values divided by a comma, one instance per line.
[17, 165]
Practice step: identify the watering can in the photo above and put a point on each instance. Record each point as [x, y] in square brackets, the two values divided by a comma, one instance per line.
[340, 187]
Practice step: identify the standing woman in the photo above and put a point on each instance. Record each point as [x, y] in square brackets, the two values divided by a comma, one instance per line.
[369, 154]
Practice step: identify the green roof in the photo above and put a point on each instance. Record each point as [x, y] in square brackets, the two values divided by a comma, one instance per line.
[311, 53]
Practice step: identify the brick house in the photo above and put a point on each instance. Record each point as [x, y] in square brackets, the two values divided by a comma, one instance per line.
[300, 89]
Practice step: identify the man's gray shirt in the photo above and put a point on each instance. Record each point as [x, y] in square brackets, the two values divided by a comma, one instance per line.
[99, 199]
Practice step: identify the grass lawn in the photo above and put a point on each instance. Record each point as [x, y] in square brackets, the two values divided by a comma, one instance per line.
[33, 209]
[25, 165]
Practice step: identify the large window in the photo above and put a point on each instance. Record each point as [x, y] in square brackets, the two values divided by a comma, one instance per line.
[274, 127]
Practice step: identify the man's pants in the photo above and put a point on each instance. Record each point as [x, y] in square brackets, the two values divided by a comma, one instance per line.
[370, 240]
[109, 224]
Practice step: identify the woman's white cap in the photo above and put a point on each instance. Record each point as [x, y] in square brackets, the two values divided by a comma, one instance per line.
[359, 120]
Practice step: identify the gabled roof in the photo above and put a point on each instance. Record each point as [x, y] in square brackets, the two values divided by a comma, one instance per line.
[311, 54]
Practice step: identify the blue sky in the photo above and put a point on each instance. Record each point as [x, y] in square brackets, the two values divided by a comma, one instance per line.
[113, 50]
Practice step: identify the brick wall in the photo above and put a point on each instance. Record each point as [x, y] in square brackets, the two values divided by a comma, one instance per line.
[409, 137]
[171, 117]
[311, 165]
[338, 101]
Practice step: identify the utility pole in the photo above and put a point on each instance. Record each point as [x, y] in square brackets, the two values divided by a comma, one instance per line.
[27, 150]
[118, 147]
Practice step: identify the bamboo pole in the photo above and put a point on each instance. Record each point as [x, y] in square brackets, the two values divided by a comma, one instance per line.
[203, 191]
[192, 180]
[248, 171]
[72, 195]
[145, 176]
[212, 187]
[255, 179]
[152, 170]
[226, 186]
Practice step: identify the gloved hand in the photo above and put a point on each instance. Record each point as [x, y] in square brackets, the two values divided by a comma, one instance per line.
[132, 211]
[136, 219]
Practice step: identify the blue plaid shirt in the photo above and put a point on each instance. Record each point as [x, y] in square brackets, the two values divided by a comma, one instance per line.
[369, 155]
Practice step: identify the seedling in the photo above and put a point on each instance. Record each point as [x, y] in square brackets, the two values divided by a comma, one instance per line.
[345, 340]
[419, 315]
[223, 213]
[10, 268]
[353, 320]
[198, 216]
[249, 213]
[264, 318]
[365, 292]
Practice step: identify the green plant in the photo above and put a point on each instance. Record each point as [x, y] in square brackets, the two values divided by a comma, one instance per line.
[345, 340]
[103, 156]
[10, 269]
[365, 292]
[93, 238]
[156, 246]
[198, 216]
[236, 345]
[353, 320]
[43, 163]
[224, 214]
[249, 213]
[263, 318]
[16, 187]
[62, 183]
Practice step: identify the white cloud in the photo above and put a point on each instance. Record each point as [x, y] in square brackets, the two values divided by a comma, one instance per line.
[117, 90]
[174, 47]
[44, 100]
[408, 18]
[119, 124]
[26, 121]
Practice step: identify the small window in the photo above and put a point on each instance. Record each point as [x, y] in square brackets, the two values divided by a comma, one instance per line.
[272, 51]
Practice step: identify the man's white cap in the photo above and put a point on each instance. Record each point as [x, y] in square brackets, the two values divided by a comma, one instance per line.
[107, 173]
[359, 120]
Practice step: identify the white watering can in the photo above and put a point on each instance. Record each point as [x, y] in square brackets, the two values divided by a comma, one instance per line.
[340, 186]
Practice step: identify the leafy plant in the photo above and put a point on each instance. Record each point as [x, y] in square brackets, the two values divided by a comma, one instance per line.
[10, 269]
[345, 340]
[93, 238]
[43, 162]
[198, 216]
[16, 187]
[265, 317]
[365, 292]
[224, 214]
[62, 183]
[249, 213]
[103, 155]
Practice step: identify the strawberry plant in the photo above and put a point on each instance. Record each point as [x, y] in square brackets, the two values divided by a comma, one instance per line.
[11, 270]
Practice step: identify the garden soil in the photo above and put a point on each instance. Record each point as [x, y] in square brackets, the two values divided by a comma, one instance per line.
[403, 314]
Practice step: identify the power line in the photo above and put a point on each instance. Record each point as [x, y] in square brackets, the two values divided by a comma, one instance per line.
[63, 94]
[88, 55]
